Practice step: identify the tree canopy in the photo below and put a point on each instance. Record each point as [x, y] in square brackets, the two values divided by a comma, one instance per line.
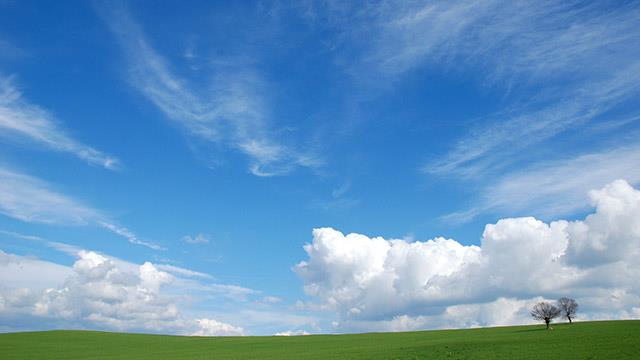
[545, 311]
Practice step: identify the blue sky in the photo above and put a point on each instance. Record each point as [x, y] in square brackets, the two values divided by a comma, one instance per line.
[211, 139]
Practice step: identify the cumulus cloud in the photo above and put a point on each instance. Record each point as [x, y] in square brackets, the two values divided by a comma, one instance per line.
[612, 233]
[100, 292]
[20, 118]
[400, 285]
[501, 312]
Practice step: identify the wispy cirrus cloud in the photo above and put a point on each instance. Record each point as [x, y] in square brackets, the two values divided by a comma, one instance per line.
[21, 119]
[565, 68]
[501, 140]
[582, 63]
[9, 51]
[578, 60]
[234, 114]
[516, 41]
[196, 239]
[21, 236]
[561, 65]
[554, 188]
[183, 271]
[340, 199]
[130, 236]
[30, 199]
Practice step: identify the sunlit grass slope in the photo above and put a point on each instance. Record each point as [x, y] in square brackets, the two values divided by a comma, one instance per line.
[586, 340]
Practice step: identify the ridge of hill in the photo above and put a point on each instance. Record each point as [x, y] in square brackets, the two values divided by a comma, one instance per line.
[581, 340]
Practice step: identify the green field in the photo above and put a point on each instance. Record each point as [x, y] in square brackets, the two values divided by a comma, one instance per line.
[585, 340]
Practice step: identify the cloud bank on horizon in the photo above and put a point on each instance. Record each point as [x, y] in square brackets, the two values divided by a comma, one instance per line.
[99, 293]
[370, 283]
[374, 283]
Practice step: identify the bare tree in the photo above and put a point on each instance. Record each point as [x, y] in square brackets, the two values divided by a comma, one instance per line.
[545, 311]
[569, 307]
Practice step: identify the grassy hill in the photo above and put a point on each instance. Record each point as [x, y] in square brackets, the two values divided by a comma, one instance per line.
[583, 340]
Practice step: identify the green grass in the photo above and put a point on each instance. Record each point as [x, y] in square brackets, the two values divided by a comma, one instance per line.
[583, 340]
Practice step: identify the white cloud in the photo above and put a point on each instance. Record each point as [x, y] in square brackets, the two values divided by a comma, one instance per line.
[580, 60]
[271, 320]
[501, 139]
[612, 233]
[197, 239]
[99, 292]
[340, 199]
[29, 199]
[33, 273]
[9, 51]
[182, 271]
[395, 284]
[21, 236]
[74, 251]
[210, 327]
[292, 333]
[360, 276]
[226, 303]
[19, 118]
[127, 234]
[526, 41]
[535, 39]
[501, 312]
[271, 300]
[234, 115]
[561, 66]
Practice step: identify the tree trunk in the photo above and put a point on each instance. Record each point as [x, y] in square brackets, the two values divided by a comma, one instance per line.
[569, 317]
[547, 322]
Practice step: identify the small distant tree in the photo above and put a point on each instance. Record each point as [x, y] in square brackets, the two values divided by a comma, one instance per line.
[545, 311]
[569, 307]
